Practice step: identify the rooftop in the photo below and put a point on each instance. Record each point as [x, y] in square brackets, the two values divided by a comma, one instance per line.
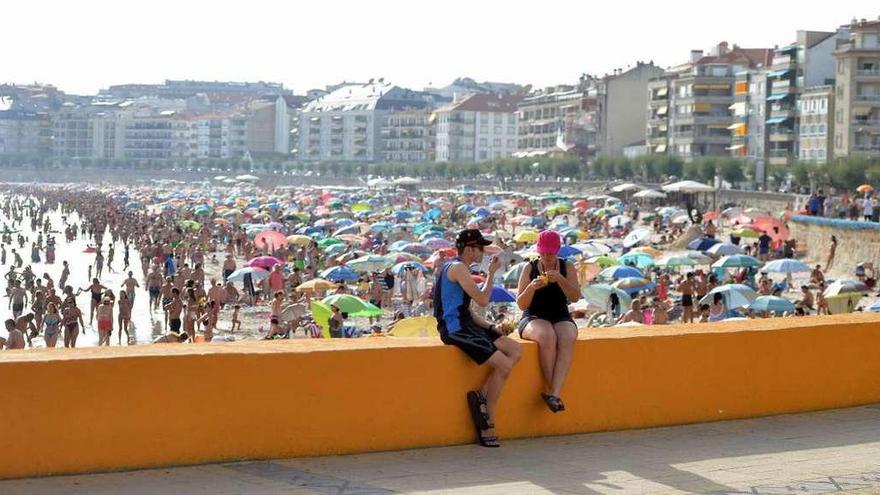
[486, 102]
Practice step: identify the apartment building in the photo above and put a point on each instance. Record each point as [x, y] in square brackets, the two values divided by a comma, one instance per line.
[478, 127]
[747, 133]
[346, 124]
[408, 136]
[816, 124]
[690, 106]
[621, 99]
[857, 92]
[561, 117]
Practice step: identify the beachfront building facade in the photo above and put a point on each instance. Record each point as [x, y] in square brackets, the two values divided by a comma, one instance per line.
[748, 138]
[816, 124]
[408, 136]
[560, 118]
[621, 99]
[346, 124]
[478, 127]
[691, 105]
[857, 92]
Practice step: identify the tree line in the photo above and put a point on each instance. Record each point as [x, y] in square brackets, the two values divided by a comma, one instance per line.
[843, 174]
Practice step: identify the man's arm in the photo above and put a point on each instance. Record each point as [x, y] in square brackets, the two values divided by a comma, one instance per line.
[460, 274]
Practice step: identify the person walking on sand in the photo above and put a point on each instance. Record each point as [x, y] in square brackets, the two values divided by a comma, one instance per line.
[482, 341]
[832, 249]
[104, 315]
[72, 320]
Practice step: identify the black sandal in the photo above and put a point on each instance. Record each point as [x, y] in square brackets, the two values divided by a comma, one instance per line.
[476, 401]
[554, 403]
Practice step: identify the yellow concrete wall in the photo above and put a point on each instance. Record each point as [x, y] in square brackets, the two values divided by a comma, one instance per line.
[92, 410]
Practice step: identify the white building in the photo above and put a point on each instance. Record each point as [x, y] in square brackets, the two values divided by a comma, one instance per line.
[478, 127]
[346, 124]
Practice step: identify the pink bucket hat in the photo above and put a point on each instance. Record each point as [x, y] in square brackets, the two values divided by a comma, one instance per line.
[549, 242]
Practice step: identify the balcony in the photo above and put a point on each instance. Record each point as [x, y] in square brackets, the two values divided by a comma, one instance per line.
[872, 99]
[867, 148]
[868, 74]
[782, 136]
[871, 124]
[784, 62]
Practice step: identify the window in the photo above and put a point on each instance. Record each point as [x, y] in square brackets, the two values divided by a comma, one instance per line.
[496, 142]
[840, 116]
[484, 142]
[822, 153]
[823, 129]
[511, 129]
[841, 67]
[840, 90]
[484, 129]
[497, 129]
[511, 143]
[484, 154]
[838, 141]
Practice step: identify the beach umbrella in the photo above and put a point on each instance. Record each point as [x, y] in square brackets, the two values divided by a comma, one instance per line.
[593, 248]
[865, 188]
[735, 295]
[687, 186]
[566, 251]
[335, 250]
[617, 272]
[381, 226]
[352, 305]
[772, 303]
[351, 238]
[417, 326]
[511, 276]
[711, 215]
[649, 194]
[299, 240]
[325, 243]
[417, 249]
[255, 273]
[737, 261]
[786, 265]
[264, 262]
[526, 236]
[401, 257]
[358, 207]
[189, 225]
[619, 221]
[430, 234]
[436, 243]
[673, 261]
[640, 260]
[500, 295]
[396, 269]
[603, 261]
[370, 263]
[745, 232]
[724, 249]
[700, 258]
[398, 246]
[272, 238]
[340, 274]
[874, 308]
[702, 244]
[316, 284]
[845, 286]
[203, 210]
[221, 221]
[654, 253]
[600, 295]
[633, 285]
[247, 178]
[636, 236]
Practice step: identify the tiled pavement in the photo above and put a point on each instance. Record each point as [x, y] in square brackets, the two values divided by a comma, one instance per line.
[820, 452]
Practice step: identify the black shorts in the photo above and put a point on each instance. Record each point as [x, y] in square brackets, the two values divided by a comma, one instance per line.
[477, 342]
[227, 273]
[154, 292]
[553, 320]
[376, 302]
[174, 323]
[687, 300]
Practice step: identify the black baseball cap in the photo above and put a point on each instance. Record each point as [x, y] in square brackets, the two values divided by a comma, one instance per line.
[471, 237]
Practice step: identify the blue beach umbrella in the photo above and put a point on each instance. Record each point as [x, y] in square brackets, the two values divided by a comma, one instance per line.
[737, 261]
[702, 244]
[340, 274]
[786, 265]
[772, 303]
[621, 271]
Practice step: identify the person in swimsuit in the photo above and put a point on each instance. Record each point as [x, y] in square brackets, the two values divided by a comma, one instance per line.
[687, 298]
[545, 288]
[717, 311]
[104, 315]
[96, 290]
[52, 322]
[72, 321]
[124, 316]
[174, 307]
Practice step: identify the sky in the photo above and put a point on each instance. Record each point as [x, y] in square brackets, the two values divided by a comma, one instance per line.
[83, 45]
